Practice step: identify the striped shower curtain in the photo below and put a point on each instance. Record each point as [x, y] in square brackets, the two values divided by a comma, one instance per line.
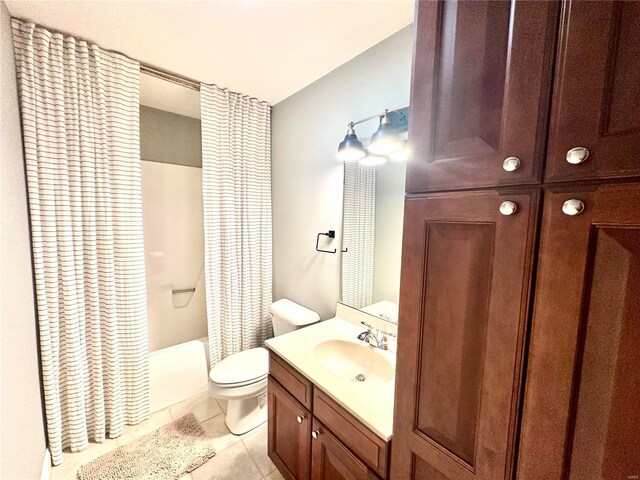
[359, 224]
[80, 119]
[236, 189]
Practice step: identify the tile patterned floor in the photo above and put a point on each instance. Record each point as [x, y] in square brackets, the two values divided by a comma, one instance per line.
[237, 457]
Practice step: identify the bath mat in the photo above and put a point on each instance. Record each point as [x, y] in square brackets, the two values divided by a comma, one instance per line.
[167, 453]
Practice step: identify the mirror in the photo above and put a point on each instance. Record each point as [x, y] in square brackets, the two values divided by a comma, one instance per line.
[372, 217]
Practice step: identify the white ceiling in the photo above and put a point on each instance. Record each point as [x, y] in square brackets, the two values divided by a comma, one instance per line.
[265, 48]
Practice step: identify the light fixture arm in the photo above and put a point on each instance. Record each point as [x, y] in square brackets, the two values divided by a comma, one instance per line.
[378, 115]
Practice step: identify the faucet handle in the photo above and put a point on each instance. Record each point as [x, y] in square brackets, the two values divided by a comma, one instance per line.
[388, 334]
[368, 325]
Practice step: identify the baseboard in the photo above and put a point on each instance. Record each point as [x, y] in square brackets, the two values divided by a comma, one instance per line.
[46, 466]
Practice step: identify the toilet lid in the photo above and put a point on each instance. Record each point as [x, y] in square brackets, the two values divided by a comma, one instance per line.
[241, 367]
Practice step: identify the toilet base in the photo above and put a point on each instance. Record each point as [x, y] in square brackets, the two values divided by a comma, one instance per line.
[244, 415]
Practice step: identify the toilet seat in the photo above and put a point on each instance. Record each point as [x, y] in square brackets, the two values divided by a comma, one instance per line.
[240, 369]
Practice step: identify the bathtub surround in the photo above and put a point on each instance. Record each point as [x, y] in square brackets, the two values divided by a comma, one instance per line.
[305, 128]
[82, 155]
[174, 253]
[22, 441]
[170, 147]
[236, 187]
[358, 226]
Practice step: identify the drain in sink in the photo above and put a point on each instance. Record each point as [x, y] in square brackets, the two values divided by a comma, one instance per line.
[360, 377]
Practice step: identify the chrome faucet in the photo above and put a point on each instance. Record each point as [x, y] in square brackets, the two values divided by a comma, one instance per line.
[379, 339]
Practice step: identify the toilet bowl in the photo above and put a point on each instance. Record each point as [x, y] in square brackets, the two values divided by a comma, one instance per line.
[241, 378]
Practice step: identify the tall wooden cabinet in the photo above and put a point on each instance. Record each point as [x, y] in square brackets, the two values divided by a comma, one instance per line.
[520, 291]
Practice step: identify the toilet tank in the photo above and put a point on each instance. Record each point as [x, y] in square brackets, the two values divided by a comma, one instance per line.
[287, 316]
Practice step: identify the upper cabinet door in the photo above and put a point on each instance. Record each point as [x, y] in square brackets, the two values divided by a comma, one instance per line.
[479, 93]
[466, 261]
[596, 99]
[581, 413]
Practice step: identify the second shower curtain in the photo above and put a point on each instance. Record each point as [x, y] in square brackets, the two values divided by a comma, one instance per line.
[236, 188]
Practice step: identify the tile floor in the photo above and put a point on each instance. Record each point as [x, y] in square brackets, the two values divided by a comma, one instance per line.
[237, 457]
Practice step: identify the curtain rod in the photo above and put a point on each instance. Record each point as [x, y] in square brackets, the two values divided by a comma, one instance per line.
[144, 67]
[169, 77]
[182, 80]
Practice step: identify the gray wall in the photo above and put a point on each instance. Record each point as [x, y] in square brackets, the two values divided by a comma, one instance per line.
[307, 179]
[22, 427]
[167, 137]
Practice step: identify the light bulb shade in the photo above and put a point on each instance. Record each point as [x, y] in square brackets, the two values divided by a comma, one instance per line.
[351, 149]
[385, 141]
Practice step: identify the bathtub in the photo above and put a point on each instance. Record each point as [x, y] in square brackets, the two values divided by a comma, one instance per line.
[179, 372]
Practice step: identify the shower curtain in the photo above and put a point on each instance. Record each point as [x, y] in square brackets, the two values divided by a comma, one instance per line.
[359, 226]
[236, 189]
[80, 120]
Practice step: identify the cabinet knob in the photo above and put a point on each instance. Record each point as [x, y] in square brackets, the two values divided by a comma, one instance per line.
[577, 155]
[508, 208]
[299, 418]
[315, 433]
[511, 164]
[572, 207]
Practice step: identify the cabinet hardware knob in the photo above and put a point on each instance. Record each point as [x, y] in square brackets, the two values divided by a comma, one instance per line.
[299, 418]
[577, 155]
[508, 208]
[315, 433]
[572, 207]
[511, 164]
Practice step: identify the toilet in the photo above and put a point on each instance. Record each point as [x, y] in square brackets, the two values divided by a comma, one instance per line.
[241, 378]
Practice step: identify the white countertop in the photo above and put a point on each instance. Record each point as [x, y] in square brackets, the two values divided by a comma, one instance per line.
[372, 404]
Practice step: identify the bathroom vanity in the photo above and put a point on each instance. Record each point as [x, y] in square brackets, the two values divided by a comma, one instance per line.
[324, 423]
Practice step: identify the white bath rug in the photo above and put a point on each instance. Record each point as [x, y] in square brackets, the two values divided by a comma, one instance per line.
[167, 453]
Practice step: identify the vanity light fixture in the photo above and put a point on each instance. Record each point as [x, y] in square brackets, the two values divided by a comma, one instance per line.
[351, 149]
[385, 141]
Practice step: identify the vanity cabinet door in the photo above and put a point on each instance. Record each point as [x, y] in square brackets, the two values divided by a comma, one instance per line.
[464, 300]
[331, 460]
[479, 93]
[581, 414]
[289, 439]
[596, 99]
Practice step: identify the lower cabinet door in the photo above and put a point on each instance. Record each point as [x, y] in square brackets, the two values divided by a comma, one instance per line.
[581, 414]
[464, 300]
[331, 460]
[289, 441]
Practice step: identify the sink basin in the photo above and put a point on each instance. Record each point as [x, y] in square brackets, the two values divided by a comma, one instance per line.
[354, 361]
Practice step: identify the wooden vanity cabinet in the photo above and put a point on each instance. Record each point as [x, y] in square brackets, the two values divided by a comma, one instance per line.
[318, 439]
[596, 99]
[479, 93]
